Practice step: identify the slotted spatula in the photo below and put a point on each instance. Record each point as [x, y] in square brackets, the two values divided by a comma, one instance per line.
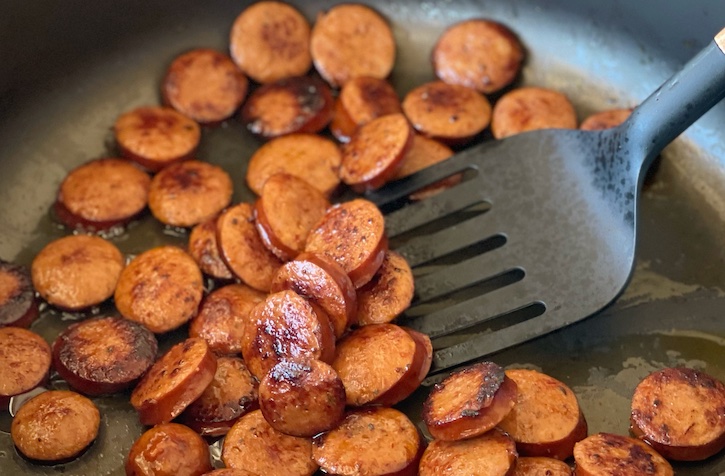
[554, 235]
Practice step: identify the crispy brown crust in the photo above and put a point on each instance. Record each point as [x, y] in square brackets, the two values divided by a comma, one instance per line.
[605, 119]
[24, 361]
[531, 108]
[18, 306]
[103, 355]
[203, 247]
[492, 453]
[361, 100]
[540, 466]
[389, 293]
[168, 449]
[605, 454]
[423, 153]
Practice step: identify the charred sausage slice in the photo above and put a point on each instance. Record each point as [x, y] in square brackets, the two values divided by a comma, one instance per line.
[156, 136]
[546, 420]
[24, 362]
[680, 412]
[205, 85]
[252, 444]
[541, 466]
[531, 108]
[190, 192]
[18, 306]
[103, 355]
[302, 398]
[270, 41]
[101, 194]
[55, 426]
[168, 449]
[203, 247]
[361, 100]
[490, 454]
[423, 153]
[161, 288]
[606, 454]
[388, 294]
[605, 119]
[178, 378]
[77, 271]
[352, 40]
[353, 235]
[370, 441]
[469, 402]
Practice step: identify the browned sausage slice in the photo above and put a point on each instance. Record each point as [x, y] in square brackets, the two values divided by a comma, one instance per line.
[546, 420]
[382, 363]
[270, 41]
[190, 192]
[531, 108]
[371, 441]
[169, 449]
[375, 152]
[242, 248]
[481, 54]
[352, 40]
[55, 426]
[155, 136]
[231, 394]
[230, 472]
[24, 362]
[606, 454]
[302, 398]
[252, 444]
[298, 104]
[286, 327]
[680, 412]
[541, 466]
[325, 283]
[161, 289]
[77, 271]
[203, 247]
[423, 153]
[312, 158]
[388, 294]
[18, 306]
[361, 100]
[101, 194]
[286, 212]
[490, 454]
[605, 119]
[204, 85]
[353, 235]
[178, 378]
[104, 355]
[450, 113]
[223, 315]
[469, 402]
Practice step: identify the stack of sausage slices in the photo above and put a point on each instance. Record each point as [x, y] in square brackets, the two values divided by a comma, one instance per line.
[292, 354]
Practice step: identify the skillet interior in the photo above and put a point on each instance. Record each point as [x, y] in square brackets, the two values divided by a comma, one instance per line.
[68, 70]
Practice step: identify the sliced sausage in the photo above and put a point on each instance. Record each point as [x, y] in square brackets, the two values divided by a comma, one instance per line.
[352, 40]
[541, 466]
[606, 454]
[270, 41]
[24, 362]
[223, 315]
[161, 288]
[546, 420]
[450, 113]
[371, 441]
[77, 271]
[103, 355]
[252, 444]
[242, 248]
[287, 106]
[205, 85]
[388, 294]
[178, 378]
[18, 306]
[203, 247]
[156, 136]
[101, 194]
[231, 394]
[230, 472]
[286, 212]
[481, 54]
[325, 283]
[353, 235]
[423, 153]
[302, 398]
[286, 327]
[490, 454]
[190, 192]
[382, 363]
[55, 426]
[469, 402]
[375, 152]
[605, 119]
[680, 412]
[531, 108]
[361, 100]
[168, 449]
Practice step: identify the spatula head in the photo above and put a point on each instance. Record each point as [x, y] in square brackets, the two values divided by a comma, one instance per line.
[540, 235]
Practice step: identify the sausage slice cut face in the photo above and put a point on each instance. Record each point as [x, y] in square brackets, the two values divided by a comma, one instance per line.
[491, 454]
[168, 449]
[389, 293]
[605, 454]
[531, 108]
[540, 466]
[423, 153]
[361, 100]
[24, 362]
[203, 247]
[18, 306]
